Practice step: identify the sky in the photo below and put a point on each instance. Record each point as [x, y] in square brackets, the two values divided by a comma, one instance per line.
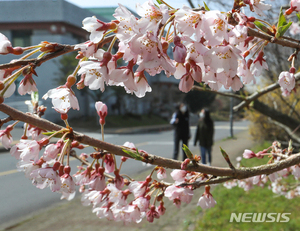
[128, 3]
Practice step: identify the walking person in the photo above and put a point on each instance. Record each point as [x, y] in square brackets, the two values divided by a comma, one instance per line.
[180, 121]
[205, 135]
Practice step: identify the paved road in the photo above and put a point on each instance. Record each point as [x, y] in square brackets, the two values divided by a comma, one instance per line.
[19, 197]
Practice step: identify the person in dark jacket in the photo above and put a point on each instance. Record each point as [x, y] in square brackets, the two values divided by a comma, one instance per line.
[180, 121]
[205, 135]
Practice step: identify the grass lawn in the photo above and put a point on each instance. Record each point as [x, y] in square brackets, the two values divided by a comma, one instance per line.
[236, 200]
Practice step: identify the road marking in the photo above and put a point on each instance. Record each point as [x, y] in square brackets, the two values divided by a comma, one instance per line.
[15, 170]
[8, 172]
[234, 127]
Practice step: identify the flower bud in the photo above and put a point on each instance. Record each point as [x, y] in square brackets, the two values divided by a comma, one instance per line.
[102, 111]
[17, 50]
[64, 116]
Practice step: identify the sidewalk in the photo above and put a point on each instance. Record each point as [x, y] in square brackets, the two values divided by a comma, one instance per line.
[65, 216]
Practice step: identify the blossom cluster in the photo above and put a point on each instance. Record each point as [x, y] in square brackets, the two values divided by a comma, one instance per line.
[206, 48]
[192, 45]
[112, 196]
[202, 45]
[276, 181]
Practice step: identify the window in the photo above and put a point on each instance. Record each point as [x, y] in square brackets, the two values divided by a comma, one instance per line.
[21, 38]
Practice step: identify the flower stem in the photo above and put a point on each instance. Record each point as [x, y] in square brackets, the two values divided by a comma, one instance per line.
[166, 4]
[30, 53]
[102, 131]
[112, 44]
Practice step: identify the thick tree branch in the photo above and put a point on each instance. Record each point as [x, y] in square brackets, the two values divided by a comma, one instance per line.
[288, 130]
[258, 94]
[275, 115]
[155, 160]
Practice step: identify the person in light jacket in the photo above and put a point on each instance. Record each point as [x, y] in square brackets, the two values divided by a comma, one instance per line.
[180, 121]
[205, 135]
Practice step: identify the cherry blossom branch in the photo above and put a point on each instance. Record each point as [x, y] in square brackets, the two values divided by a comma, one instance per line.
[258, 94]
[283, 42]
[61, 50]
[227, 94]
[152, 159]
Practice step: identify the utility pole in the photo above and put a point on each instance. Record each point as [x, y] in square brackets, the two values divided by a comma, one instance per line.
[231, 117]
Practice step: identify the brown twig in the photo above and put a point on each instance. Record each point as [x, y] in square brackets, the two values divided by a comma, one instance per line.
[227, 94]
[37, 62]
[286, 42]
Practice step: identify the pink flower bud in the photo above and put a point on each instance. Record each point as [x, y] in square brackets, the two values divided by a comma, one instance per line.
[248, 154]
[179, 51]
[102, 111]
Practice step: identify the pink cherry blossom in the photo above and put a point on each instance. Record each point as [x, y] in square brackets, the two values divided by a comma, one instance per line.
[124, 76]
[5, 44]
[295, 5]
[215, 25]
[178, 175]
[109, 163]
[134, 214]
[206, 200]
[27, 167]
[129, 145]
[27, 85]
[97, 28]
[286, 80]
[259, 64]
[141, 84]
[87, 49]
[11, 89]
[294, 28]
[97, 181]
[151, 14]
[296, 171]
[44, 177]
[52, 150]
[5, 137]
[138, 188]
[63, 99]
[161, 173]
[128, 25]
[83, 177]
[142, 203]
[273, 176]
[68, 189]
[29, 150]
[95, 75]
[104, 212]
[180, 193]
[258, 6]
[189, 21]
[151, 214]
[224, 59]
